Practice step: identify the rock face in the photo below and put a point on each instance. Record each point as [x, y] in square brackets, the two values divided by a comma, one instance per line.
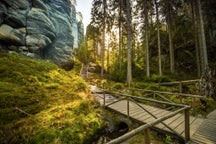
[74, 26]
[38, 28]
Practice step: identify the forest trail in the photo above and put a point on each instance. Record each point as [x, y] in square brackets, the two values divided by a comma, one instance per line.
[84, 72]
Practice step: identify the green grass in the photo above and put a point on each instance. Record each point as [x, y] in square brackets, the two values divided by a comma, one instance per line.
[60, 105]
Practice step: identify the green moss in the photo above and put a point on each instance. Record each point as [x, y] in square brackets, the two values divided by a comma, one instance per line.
[62, 124]
[59, 103]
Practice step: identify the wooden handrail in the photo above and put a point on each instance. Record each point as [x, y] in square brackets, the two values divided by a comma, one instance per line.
[181, 83]
[169, 93]
[178, 82]
[147, 99]
[181, 95]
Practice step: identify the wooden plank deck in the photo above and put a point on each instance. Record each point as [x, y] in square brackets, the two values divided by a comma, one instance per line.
[206, 133]
[176, 122]
[135, 112]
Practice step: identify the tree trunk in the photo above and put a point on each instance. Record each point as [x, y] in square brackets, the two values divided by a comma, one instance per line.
[146, 38]
[103, 39]
[199, 37]
[108, 56]
[171, 48]
[102, 54]
[193, 7]
[203, 49]
[120, 34]
[158, 38]
[129, 44]
[94, 50]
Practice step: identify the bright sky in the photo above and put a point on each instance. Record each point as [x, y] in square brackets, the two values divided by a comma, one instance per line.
[84, 6]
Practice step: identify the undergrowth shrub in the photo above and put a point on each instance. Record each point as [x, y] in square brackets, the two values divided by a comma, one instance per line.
[117, 86]
[157, 79]
[117, 74]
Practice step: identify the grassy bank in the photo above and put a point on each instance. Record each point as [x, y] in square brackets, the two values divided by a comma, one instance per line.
[42, 103]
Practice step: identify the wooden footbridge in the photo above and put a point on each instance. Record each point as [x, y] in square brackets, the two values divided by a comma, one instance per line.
[167, 117]
[164, 116]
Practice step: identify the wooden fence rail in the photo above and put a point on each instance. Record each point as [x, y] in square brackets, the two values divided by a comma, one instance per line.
[180, 95]
[168, 93]
[179, 82]
[198, 83]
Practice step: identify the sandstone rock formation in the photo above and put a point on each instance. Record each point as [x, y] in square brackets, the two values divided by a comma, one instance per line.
[38, 28]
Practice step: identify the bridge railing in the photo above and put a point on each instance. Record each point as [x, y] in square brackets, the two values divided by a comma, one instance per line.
[178, 108]
[180, 84]
[165, 96]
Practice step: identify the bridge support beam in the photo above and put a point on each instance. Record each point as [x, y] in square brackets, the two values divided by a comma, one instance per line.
[147, 136]
[104, 99]
[128, 107]
[187, 125]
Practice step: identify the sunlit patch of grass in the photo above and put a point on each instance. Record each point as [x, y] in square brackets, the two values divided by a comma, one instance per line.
[51, 85]
[59, 104]
[74, 122]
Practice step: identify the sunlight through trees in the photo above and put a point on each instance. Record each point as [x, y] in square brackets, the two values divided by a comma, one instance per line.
[163, 37]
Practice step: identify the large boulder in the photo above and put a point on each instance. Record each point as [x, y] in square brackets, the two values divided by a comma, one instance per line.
[10, 35]
[41, 28]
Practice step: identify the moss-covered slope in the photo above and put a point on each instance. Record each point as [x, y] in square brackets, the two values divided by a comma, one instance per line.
[58, 104]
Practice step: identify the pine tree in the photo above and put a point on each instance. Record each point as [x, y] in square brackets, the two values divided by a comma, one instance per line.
[129, 42]
[158, 37]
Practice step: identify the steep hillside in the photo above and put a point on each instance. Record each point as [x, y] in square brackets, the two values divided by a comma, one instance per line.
[41, 103]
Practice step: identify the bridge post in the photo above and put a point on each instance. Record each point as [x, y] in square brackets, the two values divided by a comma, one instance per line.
[104, 98]
[180, 91]
[87, 71]
[187, 125]
[180, 87]
[193, 104]
[128, 107]
[147, 136]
